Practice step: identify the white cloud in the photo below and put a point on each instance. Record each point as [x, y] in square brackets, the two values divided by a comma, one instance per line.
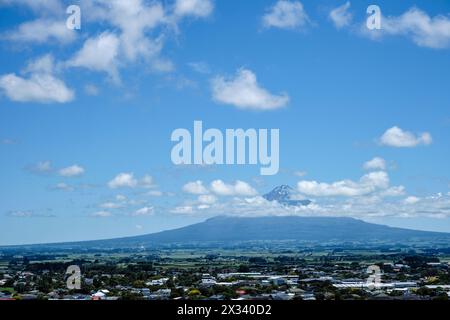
[41, 85]
[42, 167]
[71, 171]
[196, 8]
[39, 6]
[99, 54]
[101, 214]
[372, 205]
[195, 187]
[155, 193]
[123, 180]
[286, 15]
[207, 199]
[135, 37]
[145, 211]
[147, 182]
[121, 197]
[395, 191]
[396, 137]
[183, 210]
[127, 180]
[369, 183]
[243, 91]
[41, 31]
[239, 188]
[376, 163]
[425, 31]
[341, 16]
[411, 200]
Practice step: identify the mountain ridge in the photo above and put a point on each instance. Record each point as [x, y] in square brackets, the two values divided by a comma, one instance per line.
[232, 229]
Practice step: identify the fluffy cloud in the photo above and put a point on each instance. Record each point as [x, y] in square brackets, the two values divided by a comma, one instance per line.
[183, 210]
[46, 6]
[286, 15]
[376, 163]
[147, 182]
[207, 199]
[123, 180]
[42, 31]
[127, 180]
[71, 171]
[41, 85]
[368, 183]
[239, 188]
[396, 137]
[98, 54]
[218, 187]
[425, 31]
[243, 91]
[414, 24]
[133, 21]
[411, 200]
[196, 8]
[42, 167]
[341, 16]
[145, 211]
[195, 187]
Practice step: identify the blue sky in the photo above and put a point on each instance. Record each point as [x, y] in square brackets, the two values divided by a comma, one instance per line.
[86, 115]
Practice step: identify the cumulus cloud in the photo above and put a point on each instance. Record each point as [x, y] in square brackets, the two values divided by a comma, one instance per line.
[42, 167]
[145, 211]
[196, 8]
[41, 31]
[244, 92]
[376, 163]
[123, 180]
[135, 37]
[411, 200]
[183, 210]
[415, 24]
[373, 181]
[39, 6]
[147, 182]
[425, 31]
[195, 187]
[71, 171]
[207, 199]
[40, 84]
[286, 15]
[396, 137]
[219, 188]
[128, 180]
[239, 188]
[341, 15]
[99, 54]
